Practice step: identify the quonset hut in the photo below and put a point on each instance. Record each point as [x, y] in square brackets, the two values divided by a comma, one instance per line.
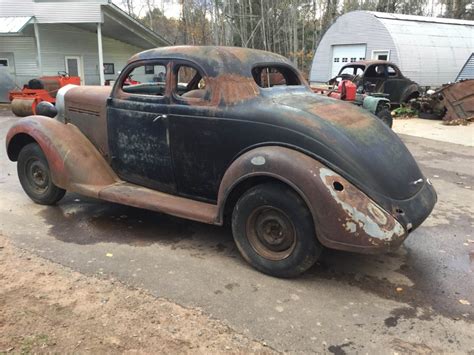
[428, 50]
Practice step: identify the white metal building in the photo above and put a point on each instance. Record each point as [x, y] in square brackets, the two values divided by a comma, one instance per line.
[467, 71]
[42, 37]
[428, 50]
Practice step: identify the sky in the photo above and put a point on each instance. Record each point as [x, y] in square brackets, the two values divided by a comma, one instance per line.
[170, 8]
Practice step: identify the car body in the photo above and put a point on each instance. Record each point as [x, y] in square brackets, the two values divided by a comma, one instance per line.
[211, 149]
[380, 76]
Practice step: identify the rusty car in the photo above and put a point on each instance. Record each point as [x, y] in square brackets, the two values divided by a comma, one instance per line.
[202, 135]
[379, 77]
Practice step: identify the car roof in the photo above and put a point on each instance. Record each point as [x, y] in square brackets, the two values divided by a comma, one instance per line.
[215, 60]
[369, 62]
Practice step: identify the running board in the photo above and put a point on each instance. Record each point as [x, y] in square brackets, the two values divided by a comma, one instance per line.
[142, 197]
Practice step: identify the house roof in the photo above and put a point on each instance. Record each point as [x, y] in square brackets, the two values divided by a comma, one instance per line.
[13, 24]
[86, 14]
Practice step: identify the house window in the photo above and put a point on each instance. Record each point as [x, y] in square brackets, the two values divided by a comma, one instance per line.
[344, 60]
[353, 59]
[3, 62]
[149, 69]
[362, 58]
[336, 60]
[109, 68]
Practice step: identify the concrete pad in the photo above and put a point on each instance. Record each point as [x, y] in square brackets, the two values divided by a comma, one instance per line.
[435, 129]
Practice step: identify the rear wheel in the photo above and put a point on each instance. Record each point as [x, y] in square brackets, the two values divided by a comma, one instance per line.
[274, 230]
[35, 176]
[386, 117]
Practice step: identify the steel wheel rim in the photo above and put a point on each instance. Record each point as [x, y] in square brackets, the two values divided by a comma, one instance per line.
[36, 173]
[271, 233]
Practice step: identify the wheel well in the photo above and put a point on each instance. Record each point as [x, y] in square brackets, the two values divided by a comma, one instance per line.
[412, 95]
[245, 185]
[17, 143]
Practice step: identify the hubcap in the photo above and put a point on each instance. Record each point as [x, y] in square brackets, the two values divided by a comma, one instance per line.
[271, 233]
[37, 175]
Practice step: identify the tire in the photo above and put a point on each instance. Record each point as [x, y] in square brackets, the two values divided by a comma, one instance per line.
[261, 216]
[35, 84]
[386, 117]
[35, 176]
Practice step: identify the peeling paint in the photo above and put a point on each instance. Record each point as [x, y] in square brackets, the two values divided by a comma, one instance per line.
[373, 221]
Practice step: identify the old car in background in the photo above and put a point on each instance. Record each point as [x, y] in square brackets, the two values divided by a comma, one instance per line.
[381, 77]
[216, 142]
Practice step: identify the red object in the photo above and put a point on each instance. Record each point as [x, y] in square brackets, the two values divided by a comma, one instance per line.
[348, 88]
[51, 86]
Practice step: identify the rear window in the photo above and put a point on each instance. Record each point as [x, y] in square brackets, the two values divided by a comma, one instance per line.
[267, 76]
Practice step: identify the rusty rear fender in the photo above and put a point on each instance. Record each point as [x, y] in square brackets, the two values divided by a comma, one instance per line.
[344, 217]
[75, 163]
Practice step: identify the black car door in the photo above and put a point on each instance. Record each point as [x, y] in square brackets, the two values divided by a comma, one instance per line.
[138, 127]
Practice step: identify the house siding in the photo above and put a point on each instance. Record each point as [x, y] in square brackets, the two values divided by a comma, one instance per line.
[24, 56]
[53, 12]
[54, 49]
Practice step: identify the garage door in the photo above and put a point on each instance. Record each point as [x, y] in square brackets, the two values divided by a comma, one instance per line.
[346, 53]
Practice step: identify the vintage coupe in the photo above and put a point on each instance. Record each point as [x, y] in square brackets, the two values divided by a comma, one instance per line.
[203, 134]
[379, 77]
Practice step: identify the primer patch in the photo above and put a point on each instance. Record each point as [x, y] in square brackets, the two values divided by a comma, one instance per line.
[258, 160]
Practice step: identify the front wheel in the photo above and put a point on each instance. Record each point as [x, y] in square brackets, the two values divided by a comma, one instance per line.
[35, 176]
[274, 230]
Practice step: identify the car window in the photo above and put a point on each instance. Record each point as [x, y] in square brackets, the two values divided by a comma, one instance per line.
[190, 83]
[149, 79]
[392, 72]
[353, 70]
[347, 70]
[269, 76]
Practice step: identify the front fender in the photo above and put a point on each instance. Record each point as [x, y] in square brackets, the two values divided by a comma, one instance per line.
[344, 217]
[74, 162]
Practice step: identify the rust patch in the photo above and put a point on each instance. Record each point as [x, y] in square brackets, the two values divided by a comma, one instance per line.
[345, 218]
[459, 100]
[231, 88]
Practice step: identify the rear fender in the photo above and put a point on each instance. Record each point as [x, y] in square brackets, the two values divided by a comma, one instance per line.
[344, 217]
[75, 163]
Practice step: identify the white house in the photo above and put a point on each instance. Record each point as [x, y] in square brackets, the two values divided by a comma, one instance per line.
[428, 50]
[42, 37]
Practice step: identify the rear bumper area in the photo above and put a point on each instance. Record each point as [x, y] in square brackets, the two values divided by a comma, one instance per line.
[358, 224]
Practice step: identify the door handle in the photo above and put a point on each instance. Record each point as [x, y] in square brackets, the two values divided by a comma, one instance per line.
[159, 117]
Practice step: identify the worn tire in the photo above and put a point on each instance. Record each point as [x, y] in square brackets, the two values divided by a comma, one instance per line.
[35, 176]
[274, 212]
[386, 117]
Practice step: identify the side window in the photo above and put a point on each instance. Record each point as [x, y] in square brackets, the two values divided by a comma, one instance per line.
[268, 76]
[347, 70]
[149, 79]
[190, 83]
[392, 72]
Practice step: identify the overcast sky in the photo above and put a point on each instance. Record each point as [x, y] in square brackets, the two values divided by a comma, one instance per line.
[171, 8]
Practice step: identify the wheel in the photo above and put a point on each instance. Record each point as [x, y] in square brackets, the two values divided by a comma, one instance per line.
[35, 176]
[386, 117]
[274, 230]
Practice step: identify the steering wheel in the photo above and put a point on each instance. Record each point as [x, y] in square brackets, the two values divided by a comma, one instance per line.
[63, 73]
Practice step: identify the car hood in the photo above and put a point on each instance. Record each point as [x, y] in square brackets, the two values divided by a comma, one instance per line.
[355, 143]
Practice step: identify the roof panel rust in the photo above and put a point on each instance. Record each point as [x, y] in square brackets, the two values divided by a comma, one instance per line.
[215, 60]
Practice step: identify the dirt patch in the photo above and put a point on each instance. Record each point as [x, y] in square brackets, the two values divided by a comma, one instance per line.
[45, 307]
